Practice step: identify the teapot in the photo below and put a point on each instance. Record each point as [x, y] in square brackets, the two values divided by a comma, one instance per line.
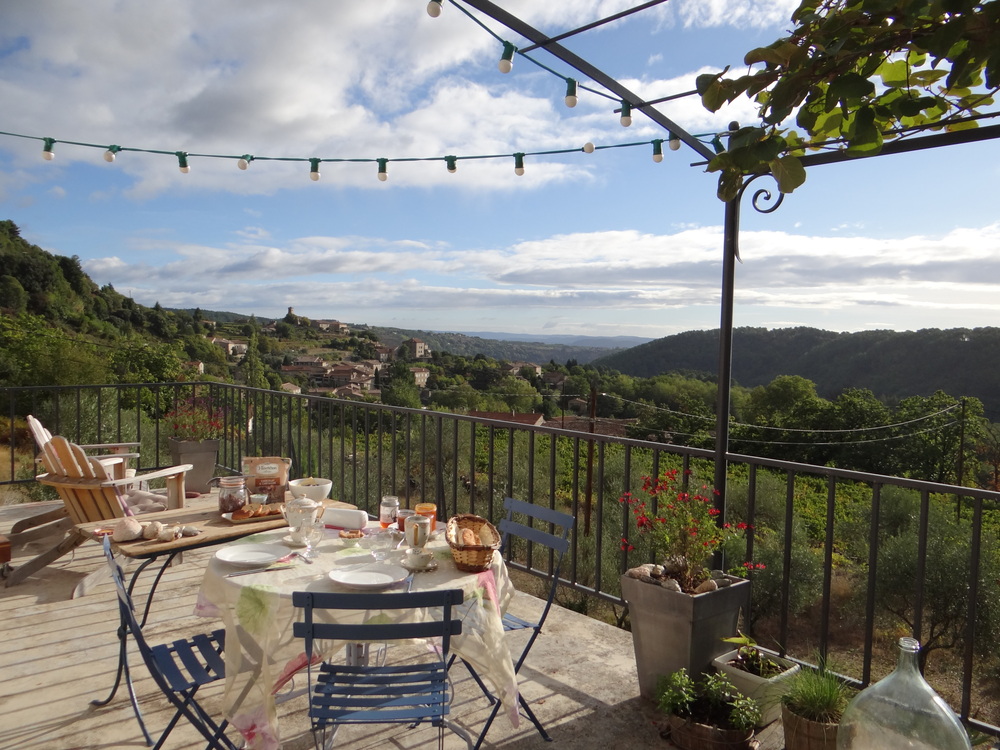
[299, 511]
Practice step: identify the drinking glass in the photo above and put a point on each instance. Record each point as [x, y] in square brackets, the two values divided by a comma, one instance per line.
[311, 534]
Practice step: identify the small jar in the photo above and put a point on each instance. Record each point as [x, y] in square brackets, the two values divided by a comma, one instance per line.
[232, 494]
[428, 509]
[388, 510]
[401, 517]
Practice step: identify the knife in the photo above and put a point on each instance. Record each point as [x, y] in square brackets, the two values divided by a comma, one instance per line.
[258, 570]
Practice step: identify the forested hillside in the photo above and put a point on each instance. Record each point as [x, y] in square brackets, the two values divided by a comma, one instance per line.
[891, 364]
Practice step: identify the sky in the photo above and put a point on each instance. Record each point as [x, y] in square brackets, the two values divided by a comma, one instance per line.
[604, 243]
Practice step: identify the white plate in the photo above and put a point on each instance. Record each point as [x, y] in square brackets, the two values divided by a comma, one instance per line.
[252, 555]
[369, 577]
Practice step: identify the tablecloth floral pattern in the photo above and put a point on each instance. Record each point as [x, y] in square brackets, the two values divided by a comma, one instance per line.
[262, 656]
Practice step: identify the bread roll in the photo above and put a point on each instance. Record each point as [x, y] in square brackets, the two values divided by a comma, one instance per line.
[486, 536]
[469, 538]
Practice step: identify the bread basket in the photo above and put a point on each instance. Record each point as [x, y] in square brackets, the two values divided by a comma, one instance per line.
[470, 558]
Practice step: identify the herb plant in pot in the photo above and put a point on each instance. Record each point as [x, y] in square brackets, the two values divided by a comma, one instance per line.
[706, 713]
[679, 609]
[812, 704]
[757, 673]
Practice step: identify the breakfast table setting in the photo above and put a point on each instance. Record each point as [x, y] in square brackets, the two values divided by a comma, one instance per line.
[248, 585]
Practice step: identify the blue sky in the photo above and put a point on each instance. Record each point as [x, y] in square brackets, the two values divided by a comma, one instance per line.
[604, 243]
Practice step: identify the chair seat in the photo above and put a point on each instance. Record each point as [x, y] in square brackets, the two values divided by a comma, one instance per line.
[389, 694]
[513, 622]
[187, 664]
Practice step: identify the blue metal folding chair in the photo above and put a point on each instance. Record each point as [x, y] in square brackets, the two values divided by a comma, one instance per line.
[554, 544]
[409, 693]
[179, 668]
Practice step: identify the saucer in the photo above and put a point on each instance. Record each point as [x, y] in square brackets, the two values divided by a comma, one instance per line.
[432, 565]
[287, 539]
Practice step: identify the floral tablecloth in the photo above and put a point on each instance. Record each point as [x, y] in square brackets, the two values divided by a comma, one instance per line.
[262, 655]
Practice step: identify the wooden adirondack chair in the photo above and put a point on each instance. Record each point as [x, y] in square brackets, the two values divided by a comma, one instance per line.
[89, 493]
[114, 456]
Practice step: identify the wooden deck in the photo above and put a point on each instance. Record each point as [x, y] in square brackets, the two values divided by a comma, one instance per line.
[59, 653]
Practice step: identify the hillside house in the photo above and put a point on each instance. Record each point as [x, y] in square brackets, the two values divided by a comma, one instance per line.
[291, 388]
[384, 352]
[416, 349]
[420, 375]
[554, 378]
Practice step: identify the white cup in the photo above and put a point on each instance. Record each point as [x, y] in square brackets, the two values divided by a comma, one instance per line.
[418, 558]
[417, 530]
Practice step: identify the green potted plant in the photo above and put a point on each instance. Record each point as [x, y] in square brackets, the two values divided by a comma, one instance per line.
[679, 608]
[812, 704]
[196, 426]
[708, 712]
[757, 673]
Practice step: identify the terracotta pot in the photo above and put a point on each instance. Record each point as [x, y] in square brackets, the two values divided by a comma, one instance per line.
[202, 455]
[690, 735]
[671, 630]
[804, 734]
[765, 690]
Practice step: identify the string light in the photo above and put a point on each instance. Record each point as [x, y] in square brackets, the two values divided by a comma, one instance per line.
[314, 169]
[109, 155]
[507, 59]
[382, 174]
[519, 164]
[182, 162]
[47, 154]
[674, 142]
[570, 92]
[451, 162]
[658, 150]
[626, 114]
[434, 8]
[588, 148]
[244, 161]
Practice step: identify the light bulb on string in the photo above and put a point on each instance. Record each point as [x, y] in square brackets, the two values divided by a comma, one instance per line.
[451, 161]
[588, 148]
[383, 175]
[519, 164]
[314, 169]
[47, 147]
[244, 161]
[507, 59]
[109, 155]
[434, 8]
[674, 142]
[570, 92]
[626, 114]
[182, 161]
[658, 150]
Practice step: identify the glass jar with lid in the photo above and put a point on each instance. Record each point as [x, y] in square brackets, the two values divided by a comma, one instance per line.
[387, 511]
[232, 494]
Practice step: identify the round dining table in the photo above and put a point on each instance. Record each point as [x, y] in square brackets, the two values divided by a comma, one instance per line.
[263, 658]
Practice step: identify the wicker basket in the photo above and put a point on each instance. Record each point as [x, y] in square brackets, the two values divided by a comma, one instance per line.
[471, 558]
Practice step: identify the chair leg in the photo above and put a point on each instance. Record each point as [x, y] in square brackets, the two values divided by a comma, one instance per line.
[123, 671]
[28, 523]
[31, 567]
[479, 681]
[57, 528]
[527, 712]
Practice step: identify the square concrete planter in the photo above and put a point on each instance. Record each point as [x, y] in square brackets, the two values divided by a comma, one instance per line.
[765, 690]
[671, 630]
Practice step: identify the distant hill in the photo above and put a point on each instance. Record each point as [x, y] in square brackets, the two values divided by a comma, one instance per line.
[601, 342]
[468, 346]
[891, 364]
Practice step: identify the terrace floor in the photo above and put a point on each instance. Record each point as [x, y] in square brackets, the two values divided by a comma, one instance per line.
[59, 653]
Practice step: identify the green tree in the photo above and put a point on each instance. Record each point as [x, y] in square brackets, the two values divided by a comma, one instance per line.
[12, 295]
[251, 365]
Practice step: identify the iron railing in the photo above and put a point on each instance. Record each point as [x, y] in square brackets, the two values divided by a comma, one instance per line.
[805, 604]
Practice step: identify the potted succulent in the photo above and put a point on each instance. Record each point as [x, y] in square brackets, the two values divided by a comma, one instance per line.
[708, 712]
[757, 673]
[196, 426]
[812, 704]
[679, 608]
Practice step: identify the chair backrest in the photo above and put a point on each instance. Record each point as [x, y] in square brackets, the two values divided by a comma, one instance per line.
[378, 627]
[126, 608]
[558, 543]
[79, 479]
[38, 432]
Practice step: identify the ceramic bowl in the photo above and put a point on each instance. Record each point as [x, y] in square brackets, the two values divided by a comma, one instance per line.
[314, 489]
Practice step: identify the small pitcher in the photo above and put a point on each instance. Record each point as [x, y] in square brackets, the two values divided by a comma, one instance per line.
[301, 512]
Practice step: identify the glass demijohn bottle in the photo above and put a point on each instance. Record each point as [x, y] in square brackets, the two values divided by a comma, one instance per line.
[901, 711]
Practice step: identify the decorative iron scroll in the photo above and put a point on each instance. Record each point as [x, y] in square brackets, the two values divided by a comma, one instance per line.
[762, 195]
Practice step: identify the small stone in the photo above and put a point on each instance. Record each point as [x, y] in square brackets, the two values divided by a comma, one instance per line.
[648, 579]
[723, 582]
[640, 571]
[670, 584]
[657, 571]
[189, 531]
[675, 565]
[709, 585]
